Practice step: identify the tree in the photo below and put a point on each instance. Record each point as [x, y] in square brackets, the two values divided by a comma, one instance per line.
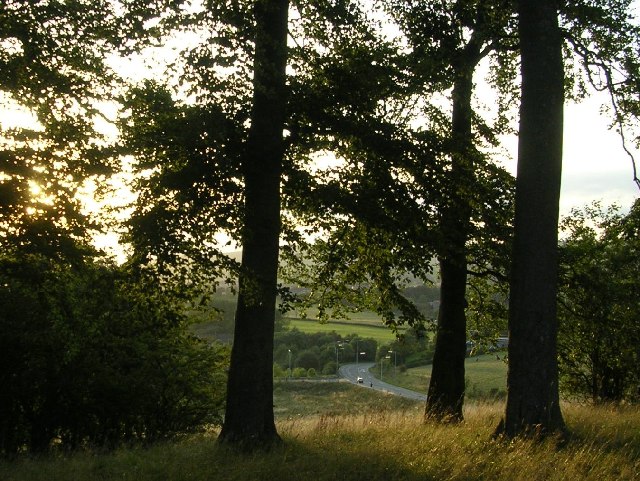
[98, 355]
[598, 312]
[533, 405]
[249, 421]
[79, 352]
[406, 194]
[487, 24]
[55, 75]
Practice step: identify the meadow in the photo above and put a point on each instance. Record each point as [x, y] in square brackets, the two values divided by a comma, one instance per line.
[486, 376]
[380, 333]
[366, 324]
[358, 434]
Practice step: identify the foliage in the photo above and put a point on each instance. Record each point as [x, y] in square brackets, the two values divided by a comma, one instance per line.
[599, 315]
[97, 355]
[487, 311]
[378, 205]
[191, 190]
[413, 348]
[56, 79]
[320, 350]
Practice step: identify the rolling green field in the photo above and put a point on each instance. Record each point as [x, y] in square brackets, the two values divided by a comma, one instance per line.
[486, 377]
[366, 324]
[381, 334]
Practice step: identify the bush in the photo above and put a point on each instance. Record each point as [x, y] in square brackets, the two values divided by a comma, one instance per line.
[278, 372]
[308, 359]
[299, 372]
[330, 368]
[93, 354]
[311, 372]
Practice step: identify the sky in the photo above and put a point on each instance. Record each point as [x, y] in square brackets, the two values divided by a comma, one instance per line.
[595, 166]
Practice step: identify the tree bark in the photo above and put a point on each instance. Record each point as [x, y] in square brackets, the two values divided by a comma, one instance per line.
[249, 419]
[532, 397]
[445, 396]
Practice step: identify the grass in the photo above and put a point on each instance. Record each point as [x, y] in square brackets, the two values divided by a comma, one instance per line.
[486, 377]
[381, 334]
[366, 324]
[378, 445]
[296, 399]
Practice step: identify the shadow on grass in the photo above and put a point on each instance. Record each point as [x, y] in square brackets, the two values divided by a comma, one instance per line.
[301, 460]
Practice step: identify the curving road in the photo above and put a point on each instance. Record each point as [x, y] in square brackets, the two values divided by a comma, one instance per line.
[352, 371]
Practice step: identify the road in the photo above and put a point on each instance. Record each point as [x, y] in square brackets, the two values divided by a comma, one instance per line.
[352, 371]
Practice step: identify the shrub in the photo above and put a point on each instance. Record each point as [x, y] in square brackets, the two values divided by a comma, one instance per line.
[299, 372]
[308, 359]
[278, 371]
[95, 354]
[330, 368]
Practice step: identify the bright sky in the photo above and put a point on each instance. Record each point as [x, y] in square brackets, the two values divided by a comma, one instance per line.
[595, 167]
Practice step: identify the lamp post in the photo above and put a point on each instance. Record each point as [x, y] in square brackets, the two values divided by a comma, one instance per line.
[395, 362]
[382, 363]
[338, 347]
[289, 365]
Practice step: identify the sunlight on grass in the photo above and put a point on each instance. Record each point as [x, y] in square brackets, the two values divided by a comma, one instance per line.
[381, 333]
[486, 377]
[384, 445]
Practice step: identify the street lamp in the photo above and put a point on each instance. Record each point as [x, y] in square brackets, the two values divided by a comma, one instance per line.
[382, 363]
[289, 365]
[358, 354]
[395, 361]
[338, 347]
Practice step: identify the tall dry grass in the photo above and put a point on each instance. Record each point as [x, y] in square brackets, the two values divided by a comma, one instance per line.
[387, 445]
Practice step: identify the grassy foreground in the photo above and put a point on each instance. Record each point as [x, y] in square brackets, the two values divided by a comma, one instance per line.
[380, 444]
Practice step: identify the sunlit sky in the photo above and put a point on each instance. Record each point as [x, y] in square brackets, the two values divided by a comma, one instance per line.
[595, 166]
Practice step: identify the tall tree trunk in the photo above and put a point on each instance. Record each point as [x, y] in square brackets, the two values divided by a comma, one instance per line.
[532, 395]
[249, 420]
[446, 387]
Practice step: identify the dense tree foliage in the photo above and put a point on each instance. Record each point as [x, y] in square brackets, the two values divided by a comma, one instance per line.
[321, 351]
[54, 58]
[598, 310]
[94, 355]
